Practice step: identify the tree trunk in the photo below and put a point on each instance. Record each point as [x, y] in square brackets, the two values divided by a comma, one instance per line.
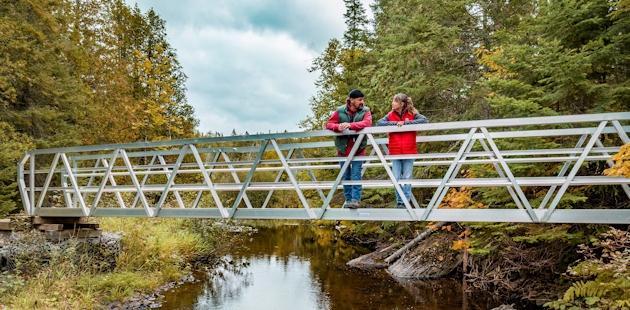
[411, 243]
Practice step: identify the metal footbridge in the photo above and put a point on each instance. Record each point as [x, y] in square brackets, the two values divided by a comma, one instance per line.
[236, 176]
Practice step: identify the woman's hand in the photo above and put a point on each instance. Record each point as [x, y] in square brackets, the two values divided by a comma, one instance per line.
[399, 124]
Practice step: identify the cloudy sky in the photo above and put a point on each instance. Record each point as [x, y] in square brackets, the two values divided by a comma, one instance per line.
[247, 60]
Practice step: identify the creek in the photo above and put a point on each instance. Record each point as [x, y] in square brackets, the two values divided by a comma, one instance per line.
[304, 267]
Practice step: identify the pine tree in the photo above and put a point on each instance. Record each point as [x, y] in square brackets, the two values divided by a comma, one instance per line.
[340, 66]
[39, 92]
[13, 145]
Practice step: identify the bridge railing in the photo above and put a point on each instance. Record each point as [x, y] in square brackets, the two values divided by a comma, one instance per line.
[215, 177]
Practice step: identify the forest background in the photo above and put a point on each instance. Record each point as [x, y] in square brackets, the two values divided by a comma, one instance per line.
[80, 72]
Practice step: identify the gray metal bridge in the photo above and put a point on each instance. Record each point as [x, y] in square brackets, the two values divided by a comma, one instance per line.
[215, 177]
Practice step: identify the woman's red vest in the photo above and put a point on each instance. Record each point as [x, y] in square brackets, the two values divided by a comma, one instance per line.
[401, 142]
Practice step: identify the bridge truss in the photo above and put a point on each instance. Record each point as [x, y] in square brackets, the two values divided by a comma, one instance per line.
[216, 177]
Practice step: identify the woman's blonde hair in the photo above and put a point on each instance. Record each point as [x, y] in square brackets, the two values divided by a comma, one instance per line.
[407, 103]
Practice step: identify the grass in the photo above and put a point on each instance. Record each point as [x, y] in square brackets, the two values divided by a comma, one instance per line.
[154, 251]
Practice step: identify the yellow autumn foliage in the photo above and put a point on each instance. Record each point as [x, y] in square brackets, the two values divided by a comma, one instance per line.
[622, 163]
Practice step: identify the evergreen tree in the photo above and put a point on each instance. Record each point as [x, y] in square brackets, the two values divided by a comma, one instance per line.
[340, 66]
[356, 36]
[424, 49]
[39, 93]
[571, 58]
[13, 145]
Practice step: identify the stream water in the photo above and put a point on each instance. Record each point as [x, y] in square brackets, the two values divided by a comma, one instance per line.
[303, 268]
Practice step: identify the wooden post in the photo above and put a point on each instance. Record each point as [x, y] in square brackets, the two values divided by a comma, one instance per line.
[464, 271]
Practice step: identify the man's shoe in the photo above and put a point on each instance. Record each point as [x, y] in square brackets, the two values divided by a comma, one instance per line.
[349, 205]
[400, 205]
[356, 204]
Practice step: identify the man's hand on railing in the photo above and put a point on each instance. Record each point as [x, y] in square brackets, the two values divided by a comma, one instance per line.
[344, 126]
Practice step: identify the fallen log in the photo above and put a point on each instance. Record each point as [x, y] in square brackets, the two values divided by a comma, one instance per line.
[374, 259]
[413, 242]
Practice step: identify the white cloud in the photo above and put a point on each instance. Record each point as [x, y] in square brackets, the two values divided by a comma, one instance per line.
[246, 80]
[246, 60]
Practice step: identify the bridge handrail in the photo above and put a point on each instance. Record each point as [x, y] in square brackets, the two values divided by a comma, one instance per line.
[507, 122]
[380, 141]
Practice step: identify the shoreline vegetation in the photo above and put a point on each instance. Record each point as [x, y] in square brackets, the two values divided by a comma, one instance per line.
[154, 252]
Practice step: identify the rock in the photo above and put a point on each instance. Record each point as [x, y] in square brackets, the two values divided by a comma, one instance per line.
[32, 246]
[4, 255]
[432, 258]
[4, 237]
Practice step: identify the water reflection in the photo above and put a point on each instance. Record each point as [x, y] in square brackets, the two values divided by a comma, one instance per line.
[303, 267]
[261, 283]
[226, 285]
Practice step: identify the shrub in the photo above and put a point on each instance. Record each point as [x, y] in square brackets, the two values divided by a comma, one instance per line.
[604, 275]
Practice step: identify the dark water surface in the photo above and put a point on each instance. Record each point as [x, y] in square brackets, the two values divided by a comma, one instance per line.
[303, 268]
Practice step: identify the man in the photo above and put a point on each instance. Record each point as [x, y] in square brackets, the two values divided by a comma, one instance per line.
[354, 115]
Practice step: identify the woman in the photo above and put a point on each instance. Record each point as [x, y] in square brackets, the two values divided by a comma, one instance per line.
[401, 143]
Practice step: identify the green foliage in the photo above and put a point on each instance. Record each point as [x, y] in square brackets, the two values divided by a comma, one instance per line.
[484, 59]
[13, 145]
[591, 291]
[377, 196]
[605, 264]
[382, 230]
[486, 237]
[492, 238]
[549, 234]
[10, 283]
[360, 229]
[569, 57]
[40, 94]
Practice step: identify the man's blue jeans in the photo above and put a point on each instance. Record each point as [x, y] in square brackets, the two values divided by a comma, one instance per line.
[352, 192]
[402, 169]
